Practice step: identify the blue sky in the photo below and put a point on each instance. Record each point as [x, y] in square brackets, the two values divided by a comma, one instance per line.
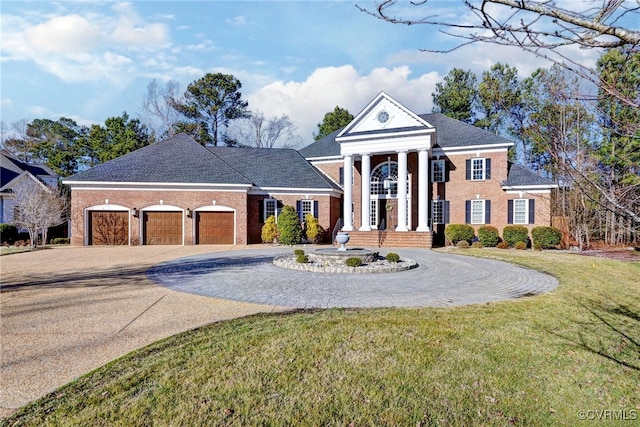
[90, 60]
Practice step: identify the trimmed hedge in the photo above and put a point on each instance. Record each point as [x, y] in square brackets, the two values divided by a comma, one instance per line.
[513, 234]
[546, 237]
[393, 257]
[289, 226]
[458, 232]
[489, 236]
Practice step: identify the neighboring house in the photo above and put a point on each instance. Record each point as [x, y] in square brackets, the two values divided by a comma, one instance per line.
[179, 192]
[14, 174]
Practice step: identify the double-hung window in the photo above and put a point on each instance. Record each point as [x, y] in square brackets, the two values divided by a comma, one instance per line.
[437, 171]
[306, 206]
[478, 211]
[521, 211]
[478, 169]
[440, 212]
[270, 207]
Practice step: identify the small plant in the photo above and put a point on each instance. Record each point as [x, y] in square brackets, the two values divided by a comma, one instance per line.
[60, 241]
[547, 237]
[270, 230]
[520, 245]
[515, 233]
[462, 244]
[289, 226]
[502, 245]
[393, 257]
[353, 262]
[298, 252]
[537, 246]
[489, 236]
[477, 245]
[313, 229]
[457, 232]
[302, 258]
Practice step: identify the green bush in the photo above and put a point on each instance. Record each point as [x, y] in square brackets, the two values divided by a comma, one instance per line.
[462, 244]
[520, 245]
[298, 252]
[269, 230]
[302, 258]
[502, 245]
[8, 233]
[353, 262]
[313, 229]
[489, 236]
[513, 234]
[477, 245]
[457, 232]
[393, 257]
[289, 226]
[546, 237]
[537, 246]
[60, 241]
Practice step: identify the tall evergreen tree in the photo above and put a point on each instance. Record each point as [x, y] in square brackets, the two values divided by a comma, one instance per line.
[334, 120]
[456, 95]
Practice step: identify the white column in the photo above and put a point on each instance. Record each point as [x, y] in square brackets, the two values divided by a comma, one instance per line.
[348, 189]
[423, 190]
[402, 191]
[365, 209]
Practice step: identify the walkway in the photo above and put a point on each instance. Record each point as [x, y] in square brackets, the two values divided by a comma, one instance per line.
[440, 280]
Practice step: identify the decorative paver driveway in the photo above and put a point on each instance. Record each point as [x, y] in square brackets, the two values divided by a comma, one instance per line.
[440, 280]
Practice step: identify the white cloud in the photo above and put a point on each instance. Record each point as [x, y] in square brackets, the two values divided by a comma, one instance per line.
[238, 21]
[64, 34]
[308, 101]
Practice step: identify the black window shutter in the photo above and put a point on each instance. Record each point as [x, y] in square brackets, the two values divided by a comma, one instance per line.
[299, 209]
[341, 179]
[261, 208]
[446, 212]
[315, 208]
[487, 211]
[467, 211]
[532, 211]
[510, 212]
[487, 168]
[468, 166]
[447, 167]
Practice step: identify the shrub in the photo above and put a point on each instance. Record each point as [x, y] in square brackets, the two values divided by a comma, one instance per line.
[547, 237]
[353, 262]
[393, 257]
[269, 230]
[537, 246]
[60, 241]
[302, 258]
[515, 233]
[289, 226]
[489, 236]
[8, 233]
[463, 244]
[457, 232]
[298, 252]
[520, 245]
[313, 230]
[502, 245]
[477, 245]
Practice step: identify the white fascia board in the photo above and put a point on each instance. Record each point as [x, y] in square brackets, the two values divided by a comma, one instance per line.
[281, 190]
[183, 189]
[418, 142]
[325, 160]
[391, 135]
[528, 188]
[471, 150]
[153, 185]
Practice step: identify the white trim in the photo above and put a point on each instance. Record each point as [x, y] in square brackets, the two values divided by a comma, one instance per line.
[386, 145]
[443, 163]
[483, 160]
[213, 208]
[218, 190]
[439, 151]
[548, 191]
[160, 208]
[152, 184]
[103, 208]
[325, 159]
[526, 212]
[484, 211]
[526, 187]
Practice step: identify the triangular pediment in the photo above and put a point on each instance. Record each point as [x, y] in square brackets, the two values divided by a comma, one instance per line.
[382, 117]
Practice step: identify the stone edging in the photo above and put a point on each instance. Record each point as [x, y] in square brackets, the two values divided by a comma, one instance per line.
[380, 266]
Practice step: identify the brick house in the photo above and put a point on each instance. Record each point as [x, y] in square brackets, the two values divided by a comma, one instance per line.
[179, 192]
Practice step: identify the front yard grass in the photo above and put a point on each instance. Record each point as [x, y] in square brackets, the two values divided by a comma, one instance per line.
[534, 361]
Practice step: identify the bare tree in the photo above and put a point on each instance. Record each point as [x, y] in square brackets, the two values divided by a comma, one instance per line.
[540, 27]
[259, 131]
[37, 207]
[158, 113]
[18, 142]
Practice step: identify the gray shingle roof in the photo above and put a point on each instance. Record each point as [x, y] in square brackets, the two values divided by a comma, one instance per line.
[178, 159]
[11, 168]
[325, 147]
[454, 133]
[273, 167]
[518, 176]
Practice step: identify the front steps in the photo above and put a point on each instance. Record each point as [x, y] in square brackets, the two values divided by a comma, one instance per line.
[389, 239]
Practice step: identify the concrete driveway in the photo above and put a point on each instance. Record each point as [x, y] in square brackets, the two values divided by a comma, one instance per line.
[69, 310]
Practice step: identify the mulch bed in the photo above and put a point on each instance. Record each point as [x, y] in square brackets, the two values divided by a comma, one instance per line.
[620, 254]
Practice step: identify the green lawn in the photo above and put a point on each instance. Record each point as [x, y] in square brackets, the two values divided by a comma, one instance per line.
[534, 361]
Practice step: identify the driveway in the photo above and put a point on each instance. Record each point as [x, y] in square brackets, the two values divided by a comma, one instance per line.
[67, 311]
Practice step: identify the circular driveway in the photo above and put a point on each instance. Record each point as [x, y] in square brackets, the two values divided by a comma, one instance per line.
[440, 280]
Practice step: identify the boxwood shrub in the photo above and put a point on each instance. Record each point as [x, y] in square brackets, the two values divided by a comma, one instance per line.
[458, 232]
[302, 258]
[520, 245]
[489, 236]
[546, 237]
[513, 234]
[353, 262]
[393, 257]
